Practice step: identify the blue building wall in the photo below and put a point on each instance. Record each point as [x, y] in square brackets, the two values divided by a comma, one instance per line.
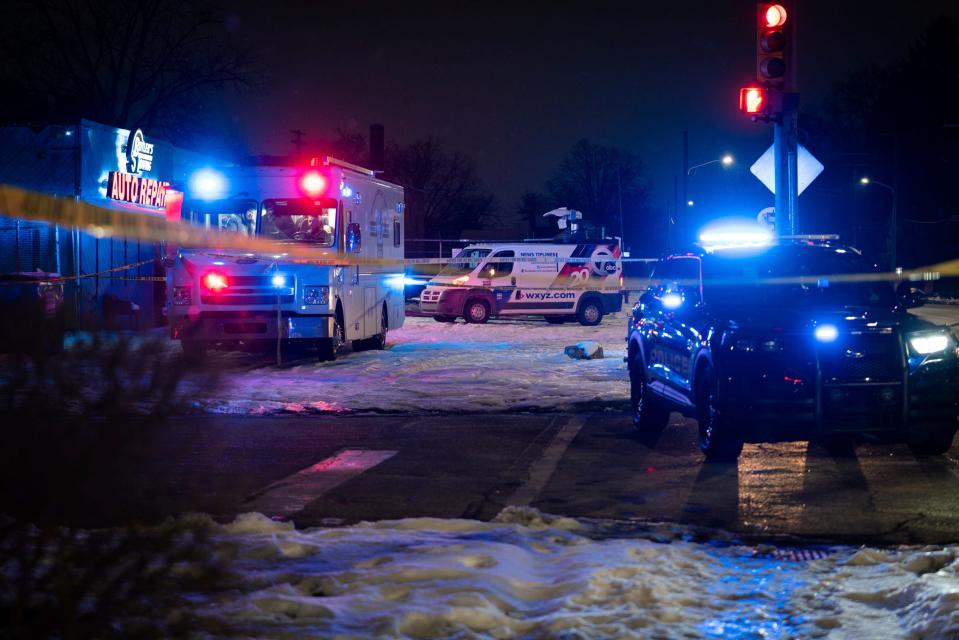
[76, 161]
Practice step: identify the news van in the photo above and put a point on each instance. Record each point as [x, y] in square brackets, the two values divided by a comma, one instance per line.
[567, 280]
[230, 300]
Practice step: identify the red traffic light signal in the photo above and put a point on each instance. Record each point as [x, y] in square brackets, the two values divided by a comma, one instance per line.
[752, 100]
[771, 44]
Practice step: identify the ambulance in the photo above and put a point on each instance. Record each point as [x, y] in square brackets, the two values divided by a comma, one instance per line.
[573, 279]
[230, 300]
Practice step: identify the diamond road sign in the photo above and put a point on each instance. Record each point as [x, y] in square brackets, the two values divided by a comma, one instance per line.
[806, 164]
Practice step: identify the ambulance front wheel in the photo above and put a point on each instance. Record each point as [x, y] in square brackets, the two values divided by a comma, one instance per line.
[590, 312]
[330, 347]
[476, 311]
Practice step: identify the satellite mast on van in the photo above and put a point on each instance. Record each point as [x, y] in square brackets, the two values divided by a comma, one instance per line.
[566, 220]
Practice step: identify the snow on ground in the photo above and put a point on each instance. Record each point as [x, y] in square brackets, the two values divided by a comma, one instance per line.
[531, 575]
[515, 365]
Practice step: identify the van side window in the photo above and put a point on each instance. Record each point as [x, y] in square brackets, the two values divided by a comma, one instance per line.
[498, 269]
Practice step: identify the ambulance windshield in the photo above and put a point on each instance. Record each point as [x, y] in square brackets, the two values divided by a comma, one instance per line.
[299, 220]
[464, 262]
[238, 216]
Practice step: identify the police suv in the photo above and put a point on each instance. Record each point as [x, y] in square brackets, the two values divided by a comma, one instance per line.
[771, 341]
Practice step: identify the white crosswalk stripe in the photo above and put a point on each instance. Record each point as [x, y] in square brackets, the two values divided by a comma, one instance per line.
[290, 495]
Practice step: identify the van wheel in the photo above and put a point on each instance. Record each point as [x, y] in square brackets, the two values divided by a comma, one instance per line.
[476, 311]
[590, 312]
[717, 438]
[555, 319]
[330, 347]
[445, 318]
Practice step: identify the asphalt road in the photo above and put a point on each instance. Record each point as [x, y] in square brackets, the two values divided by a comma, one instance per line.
[329, 470]
[335, 470]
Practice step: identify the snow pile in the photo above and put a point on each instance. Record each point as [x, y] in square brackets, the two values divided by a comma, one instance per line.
[432, 367]
[532, 575]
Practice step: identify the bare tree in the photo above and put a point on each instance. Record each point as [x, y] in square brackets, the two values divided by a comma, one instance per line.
[444, 193]
[135, 64]
[595, 179]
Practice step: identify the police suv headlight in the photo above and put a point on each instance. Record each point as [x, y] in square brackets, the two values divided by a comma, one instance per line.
[927, 343]
[316, 295]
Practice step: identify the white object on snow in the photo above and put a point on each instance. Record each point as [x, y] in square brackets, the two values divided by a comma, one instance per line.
[585, 351]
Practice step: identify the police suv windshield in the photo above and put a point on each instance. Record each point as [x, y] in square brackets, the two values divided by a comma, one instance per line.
[810, 275]
[465, 262]
[299, 220]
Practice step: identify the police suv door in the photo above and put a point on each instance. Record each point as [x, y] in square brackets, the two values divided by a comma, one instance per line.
[678, 289]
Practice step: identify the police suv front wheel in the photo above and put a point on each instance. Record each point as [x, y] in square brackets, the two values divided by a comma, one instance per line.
[649, 414]
[718, 439]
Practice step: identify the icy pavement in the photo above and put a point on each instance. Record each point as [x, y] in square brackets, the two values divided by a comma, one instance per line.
[432, 367]
[531, 575]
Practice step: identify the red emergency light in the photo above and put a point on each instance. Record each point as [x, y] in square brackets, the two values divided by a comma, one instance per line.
[313, 183]
[752, 100]
[215, 282]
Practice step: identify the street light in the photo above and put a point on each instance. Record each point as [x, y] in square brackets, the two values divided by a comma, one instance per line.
[727, 161]
[690, 203]
[893, 232]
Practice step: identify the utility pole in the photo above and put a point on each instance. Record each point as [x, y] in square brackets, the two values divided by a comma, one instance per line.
[785, 154]
[297, 140]
[619, 189]
[683, 219]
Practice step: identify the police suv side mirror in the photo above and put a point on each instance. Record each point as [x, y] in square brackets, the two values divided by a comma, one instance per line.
[649, 300]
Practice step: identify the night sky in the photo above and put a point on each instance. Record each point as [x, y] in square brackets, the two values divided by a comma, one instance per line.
[516, 86]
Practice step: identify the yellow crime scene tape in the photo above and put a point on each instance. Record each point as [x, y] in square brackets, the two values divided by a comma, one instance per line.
[102, 221]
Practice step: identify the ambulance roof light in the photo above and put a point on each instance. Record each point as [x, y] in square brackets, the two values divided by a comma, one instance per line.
[208, 184]
[313, 183]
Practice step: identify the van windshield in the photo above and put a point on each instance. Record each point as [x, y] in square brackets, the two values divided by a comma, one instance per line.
[464, 262]
[299, 220]
[237, 216]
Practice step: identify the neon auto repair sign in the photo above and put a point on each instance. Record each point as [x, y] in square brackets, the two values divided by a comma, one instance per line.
[129, 187]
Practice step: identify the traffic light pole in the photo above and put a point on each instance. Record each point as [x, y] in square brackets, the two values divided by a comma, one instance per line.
[786, 155]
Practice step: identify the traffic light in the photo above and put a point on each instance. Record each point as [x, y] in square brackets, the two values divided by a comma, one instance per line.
[771, 44]
[753, 101]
